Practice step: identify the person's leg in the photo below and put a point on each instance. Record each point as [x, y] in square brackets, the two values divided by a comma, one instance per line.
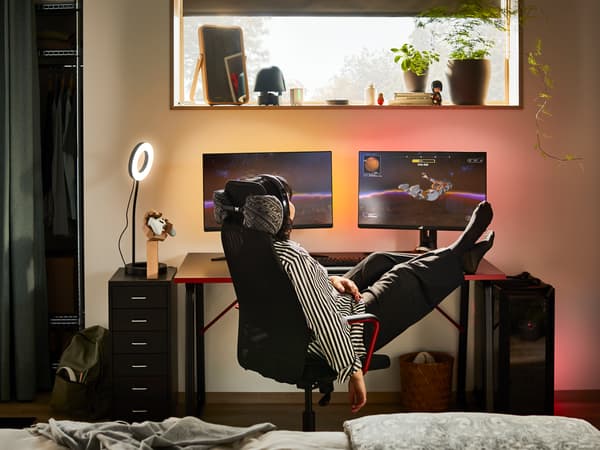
[472, 258]
[480, 219]
[409, 291]
[372, 267]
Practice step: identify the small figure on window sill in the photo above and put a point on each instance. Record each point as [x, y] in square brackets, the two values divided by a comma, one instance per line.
[436, 96]
[380, 99]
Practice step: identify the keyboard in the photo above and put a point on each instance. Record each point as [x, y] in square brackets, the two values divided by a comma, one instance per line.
[343, 259]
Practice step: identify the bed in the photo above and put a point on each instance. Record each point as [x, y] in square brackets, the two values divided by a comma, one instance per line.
[452, 430]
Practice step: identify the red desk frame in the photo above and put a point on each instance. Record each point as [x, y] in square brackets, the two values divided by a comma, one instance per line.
[198, 269]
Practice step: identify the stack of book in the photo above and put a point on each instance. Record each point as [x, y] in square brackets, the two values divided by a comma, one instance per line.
[411, 98]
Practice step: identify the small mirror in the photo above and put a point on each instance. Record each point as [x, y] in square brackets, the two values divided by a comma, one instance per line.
[223, 64]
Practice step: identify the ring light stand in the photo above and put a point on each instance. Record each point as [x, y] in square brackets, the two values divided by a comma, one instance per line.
[137, 173]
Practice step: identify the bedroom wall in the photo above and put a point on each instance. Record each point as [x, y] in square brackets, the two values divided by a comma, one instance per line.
[546, 213]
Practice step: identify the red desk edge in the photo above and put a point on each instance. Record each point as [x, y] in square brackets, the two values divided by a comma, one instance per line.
[193, 270]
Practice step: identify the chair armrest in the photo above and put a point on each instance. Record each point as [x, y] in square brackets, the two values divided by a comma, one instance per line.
[366, 318]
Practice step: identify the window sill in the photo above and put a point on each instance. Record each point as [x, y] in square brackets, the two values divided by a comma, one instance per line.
[313, 107]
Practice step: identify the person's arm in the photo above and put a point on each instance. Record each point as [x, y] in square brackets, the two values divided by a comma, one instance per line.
[357, 391]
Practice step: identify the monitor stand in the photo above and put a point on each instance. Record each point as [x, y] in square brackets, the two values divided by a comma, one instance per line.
[427, 240]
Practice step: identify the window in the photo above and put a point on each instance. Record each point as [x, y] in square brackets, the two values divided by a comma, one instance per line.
[335, 56]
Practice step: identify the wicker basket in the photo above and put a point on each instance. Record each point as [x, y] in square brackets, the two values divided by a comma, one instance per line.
[426, 386]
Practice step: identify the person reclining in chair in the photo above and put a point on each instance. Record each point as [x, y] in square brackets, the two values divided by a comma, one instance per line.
[400, 289]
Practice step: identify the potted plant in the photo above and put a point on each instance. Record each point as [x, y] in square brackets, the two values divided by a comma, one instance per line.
[469, 68]
[415, 65]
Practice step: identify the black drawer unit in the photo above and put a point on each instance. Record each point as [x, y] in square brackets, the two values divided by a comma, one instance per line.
[143, 322]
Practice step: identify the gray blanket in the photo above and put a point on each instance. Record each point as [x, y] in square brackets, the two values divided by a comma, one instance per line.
[187, 433]
[462, 430]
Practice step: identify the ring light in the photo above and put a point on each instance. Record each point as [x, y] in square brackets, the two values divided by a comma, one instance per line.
[142, 153]
[146, 150]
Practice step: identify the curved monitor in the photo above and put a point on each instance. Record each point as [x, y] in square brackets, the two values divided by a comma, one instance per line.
[308, 173]
[422, 190]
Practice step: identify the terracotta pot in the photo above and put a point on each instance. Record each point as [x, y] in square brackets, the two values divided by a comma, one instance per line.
[468, 80]
[413, 82]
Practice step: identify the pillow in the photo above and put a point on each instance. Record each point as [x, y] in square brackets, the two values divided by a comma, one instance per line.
[221, 201]
[263, 213]
[260, 212]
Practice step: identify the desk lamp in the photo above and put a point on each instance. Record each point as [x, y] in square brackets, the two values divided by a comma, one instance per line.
[138, 172]
[270, 84]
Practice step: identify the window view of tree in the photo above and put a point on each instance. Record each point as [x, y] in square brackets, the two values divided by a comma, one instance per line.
[335, 57]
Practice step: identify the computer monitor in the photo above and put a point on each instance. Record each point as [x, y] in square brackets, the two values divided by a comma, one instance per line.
[421, 190]
[308, 172]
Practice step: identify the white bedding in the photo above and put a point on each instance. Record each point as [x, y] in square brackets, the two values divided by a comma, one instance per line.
[470, 431]
[422, 431]
[11, 439]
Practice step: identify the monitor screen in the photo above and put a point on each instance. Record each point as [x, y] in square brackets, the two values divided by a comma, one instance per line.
[432, 190]
[308, 173]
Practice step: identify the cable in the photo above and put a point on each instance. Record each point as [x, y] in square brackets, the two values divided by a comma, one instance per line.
[126, 223]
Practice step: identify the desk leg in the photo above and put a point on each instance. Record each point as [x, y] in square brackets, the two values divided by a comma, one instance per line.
[195, 395]
[200, 374]
[489, 347]
[461, 372]
[190, 360]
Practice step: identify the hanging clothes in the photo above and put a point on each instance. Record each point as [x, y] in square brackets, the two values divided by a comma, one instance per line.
[64, 136]
[70, 149]
[60, 223]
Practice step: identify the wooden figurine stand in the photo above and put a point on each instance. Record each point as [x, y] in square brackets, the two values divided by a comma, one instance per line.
[156, 229]
[152, 260]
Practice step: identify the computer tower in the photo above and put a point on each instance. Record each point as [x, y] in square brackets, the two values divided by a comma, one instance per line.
[522, 378]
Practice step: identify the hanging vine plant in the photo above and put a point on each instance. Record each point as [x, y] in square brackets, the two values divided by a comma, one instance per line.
[542, 70]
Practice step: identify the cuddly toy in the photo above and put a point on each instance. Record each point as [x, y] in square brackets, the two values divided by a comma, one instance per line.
[156, 227]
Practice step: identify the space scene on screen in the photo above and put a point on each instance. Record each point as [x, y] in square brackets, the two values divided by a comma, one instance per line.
[308, 173]
[410, 190]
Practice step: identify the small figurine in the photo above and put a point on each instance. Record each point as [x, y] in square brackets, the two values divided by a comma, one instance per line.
[436, 96]
[380, 99]
[156, 229]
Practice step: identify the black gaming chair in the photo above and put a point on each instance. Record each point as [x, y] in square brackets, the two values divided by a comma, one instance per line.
[272, 335]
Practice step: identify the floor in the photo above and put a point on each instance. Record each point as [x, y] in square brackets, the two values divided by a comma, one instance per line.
[289, 416]
[331, 417]
[578, 404]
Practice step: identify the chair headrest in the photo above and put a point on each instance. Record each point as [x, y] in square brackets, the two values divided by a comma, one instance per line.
[245, 201]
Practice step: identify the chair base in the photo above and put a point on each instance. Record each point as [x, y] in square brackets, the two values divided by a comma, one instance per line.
[308, 416]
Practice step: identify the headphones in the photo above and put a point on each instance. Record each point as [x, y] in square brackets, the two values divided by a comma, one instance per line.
[281, 193]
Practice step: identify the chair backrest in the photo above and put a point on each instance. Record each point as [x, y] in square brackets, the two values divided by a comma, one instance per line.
[272, 334]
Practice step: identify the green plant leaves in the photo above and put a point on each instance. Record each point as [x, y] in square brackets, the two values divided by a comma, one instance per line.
[543, 98]
[466, 26]
[416, 61]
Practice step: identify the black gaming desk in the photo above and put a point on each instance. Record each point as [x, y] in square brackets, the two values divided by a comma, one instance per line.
[198, 269]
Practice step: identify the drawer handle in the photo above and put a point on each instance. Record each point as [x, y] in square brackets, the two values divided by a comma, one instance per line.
[139, 320]
[139, 298]
[139, 411]
[139, 388]
[139, 366]
[139, 343]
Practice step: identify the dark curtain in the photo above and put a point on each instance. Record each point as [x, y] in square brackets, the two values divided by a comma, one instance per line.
[24, 358]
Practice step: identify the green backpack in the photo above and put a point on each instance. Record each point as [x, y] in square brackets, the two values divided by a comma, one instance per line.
[82, 386]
